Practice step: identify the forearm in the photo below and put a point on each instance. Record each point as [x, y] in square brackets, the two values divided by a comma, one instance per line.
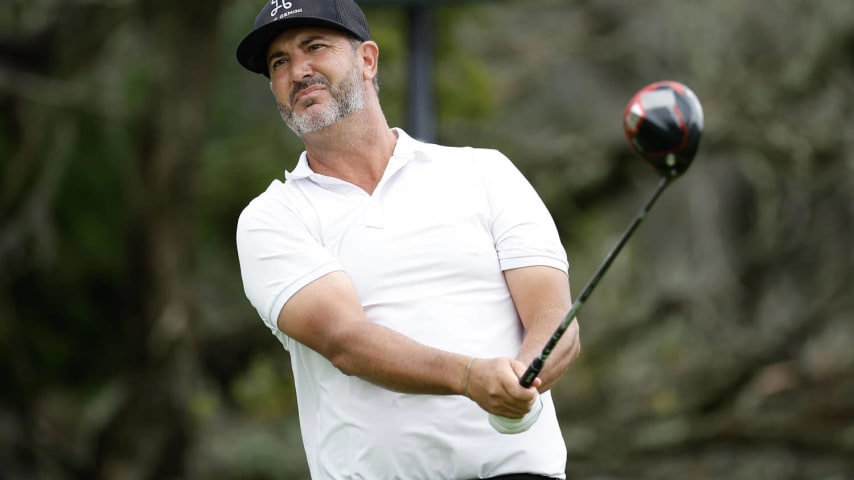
[542, 298]
[394, 361]
[563, 354]
[327, 317]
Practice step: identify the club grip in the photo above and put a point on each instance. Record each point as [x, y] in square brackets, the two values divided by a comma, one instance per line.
[531, 373]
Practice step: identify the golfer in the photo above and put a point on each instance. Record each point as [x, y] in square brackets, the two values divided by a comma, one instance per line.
[411, 283]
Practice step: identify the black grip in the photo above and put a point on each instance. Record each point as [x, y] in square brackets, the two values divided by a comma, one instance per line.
[531, 373]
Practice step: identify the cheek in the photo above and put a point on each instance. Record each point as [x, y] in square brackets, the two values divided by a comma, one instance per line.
[278, 87]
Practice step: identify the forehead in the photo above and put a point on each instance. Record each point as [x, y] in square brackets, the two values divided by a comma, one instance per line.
[294, 36]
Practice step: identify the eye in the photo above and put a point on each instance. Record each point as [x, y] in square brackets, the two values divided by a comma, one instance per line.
[277, 63]
[315, 47]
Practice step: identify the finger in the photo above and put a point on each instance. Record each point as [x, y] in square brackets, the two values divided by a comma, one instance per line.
[519, 402]
[506, 397]
[519, 368]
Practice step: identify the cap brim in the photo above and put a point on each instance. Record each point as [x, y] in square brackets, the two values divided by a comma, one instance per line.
[252, 50]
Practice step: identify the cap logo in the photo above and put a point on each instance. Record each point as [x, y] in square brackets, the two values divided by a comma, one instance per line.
[277, 16]
[278, 4]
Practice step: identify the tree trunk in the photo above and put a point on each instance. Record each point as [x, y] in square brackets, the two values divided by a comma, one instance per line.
[149, 435]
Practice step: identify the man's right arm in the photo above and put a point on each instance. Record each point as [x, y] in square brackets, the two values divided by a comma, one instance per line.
[327, 316]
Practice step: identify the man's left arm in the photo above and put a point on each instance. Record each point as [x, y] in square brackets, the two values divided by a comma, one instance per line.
[542, 299]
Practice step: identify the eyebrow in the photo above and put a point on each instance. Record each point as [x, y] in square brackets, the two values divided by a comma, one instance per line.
[275, 55]
[310, 39]
[279, 53]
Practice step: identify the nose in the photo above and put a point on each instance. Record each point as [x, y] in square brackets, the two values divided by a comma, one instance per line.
[301, 68]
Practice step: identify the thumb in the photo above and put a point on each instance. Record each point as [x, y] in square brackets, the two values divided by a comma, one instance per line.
[520, 368]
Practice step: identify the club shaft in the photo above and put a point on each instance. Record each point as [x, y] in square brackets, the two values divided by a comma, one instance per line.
[538, 363]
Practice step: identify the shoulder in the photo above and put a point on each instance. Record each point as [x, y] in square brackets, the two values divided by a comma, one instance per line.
[440, 153]
[477, 161]
[262, 204]
[467, 153]
[279, 202]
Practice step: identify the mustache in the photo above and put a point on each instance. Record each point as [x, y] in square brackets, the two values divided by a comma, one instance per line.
[300, 86]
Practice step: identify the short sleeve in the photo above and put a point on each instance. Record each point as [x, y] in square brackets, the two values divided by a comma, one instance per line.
[278, 253]
[524, 231]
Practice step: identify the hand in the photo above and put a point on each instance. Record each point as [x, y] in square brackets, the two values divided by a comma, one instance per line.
[494, 385]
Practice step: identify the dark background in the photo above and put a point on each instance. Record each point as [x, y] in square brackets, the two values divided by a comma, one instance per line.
[719, 346]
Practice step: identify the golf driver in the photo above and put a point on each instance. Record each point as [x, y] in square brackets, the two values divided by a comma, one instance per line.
[663, 123]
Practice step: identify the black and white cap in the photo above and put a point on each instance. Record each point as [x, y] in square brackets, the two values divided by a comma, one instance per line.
[280, 15]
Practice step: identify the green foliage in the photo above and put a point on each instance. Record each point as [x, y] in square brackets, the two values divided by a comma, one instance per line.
[261, 393]
[464, 86]
[266, 451]
[388, 29]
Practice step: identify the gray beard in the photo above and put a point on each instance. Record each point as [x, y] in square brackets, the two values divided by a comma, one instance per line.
[348, 97]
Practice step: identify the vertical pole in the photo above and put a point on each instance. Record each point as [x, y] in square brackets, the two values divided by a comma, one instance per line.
[421, 114]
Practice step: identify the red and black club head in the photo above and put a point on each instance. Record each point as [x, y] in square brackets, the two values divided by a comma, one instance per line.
[663, 122]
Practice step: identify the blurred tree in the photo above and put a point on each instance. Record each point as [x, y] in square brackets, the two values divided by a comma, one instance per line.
[99, 263]
[717, 347]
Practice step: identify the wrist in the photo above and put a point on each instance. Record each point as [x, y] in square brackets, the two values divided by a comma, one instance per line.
[467, 378]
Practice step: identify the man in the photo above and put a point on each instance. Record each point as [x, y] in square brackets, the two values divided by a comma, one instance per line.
[411, 283]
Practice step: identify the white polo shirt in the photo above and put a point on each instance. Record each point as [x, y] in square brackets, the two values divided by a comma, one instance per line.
[426, 253]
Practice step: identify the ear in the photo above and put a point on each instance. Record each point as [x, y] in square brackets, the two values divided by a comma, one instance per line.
[369, 52]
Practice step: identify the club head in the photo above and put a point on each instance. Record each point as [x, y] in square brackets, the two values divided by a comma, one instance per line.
[663, 122]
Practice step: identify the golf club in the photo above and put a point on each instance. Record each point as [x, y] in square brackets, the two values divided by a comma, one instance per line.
[663, 123]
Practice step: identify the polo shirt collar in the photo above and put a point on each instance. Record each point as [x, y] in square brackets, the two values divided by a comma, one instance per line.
[406, 148]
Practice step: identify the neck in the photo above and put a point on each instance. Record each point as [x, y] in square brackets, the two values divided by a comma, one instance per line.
[356, 149]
